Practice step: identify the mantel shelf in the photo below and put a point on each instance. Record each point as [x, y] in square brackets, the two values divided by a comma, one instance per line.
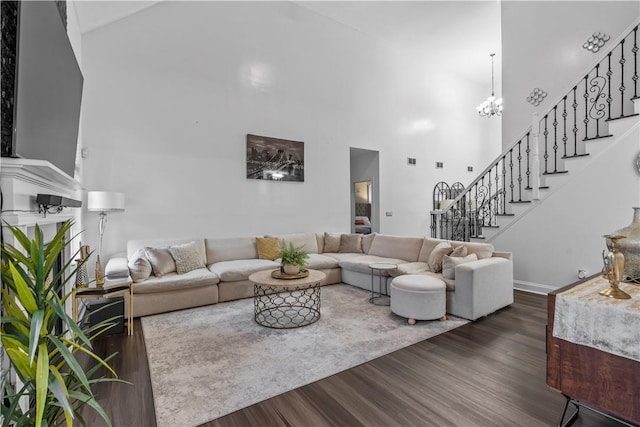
[40, 172]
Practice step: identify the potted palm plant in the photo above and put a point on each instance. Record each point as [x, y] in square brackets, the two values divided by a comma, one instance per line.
[293, 259]
[53, 386]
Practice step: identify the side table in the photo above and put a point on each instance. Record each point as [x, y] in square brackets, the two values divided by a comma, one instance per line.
[121, 289]
[380, 297]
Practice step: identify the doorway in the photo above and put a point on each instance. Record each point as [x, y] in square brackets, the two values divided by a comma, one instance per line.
[364, 190]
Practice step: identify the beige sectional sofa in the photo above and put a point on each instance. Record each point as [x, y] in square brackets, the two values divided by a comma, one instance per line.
[479, 287]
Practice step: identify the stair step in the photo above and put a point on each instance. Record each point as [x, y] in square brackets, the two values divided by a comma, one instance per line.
[597, 137]
[623, 117]
[554, 173]
[521, 201]
[506, 214]
[542, 187]
[575, 156]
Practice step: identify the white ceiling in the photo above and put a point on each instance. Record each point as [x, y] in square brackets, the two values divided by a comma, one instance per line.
[462, 32]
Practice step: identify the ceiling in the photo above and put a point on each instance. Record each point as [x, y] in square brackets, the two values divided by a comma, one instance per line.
[463, 32]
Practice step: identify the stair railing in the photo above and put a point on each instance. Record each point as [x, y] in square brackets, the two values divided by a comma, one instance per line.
[605, 93]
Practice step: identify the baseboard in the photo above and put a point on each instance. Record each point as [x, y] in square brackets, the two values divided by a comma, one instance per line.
[535, 288]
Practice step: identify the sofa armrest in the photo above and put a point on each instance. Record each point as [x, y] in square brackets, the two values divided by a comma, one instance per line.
[506, 255]
[483, 287]
[117, 267]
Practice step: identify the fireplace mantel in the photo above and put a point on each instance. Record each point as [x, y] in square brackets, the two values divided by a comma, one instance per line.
[21, 180]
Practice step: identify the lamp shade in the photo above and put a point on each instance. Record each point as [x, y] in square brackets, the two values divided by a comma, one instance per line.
[105, 201]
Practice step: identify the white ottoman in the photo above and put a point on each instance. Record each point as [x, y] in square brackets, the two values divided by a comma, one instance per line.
[418, 297]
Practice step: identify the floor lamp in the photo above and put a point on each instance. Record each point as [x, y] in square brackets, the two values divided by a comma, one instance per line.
[103, 202]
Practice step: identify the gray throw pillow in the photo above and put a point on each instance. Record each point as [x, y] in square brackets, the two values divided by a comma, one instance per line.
[161, 261]
[331, 242]
[187, 257]
[139, 266]
[350, 243]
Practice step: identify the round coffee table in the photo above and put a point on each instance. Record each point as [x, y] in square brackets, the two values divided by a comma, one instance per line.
[286, 303]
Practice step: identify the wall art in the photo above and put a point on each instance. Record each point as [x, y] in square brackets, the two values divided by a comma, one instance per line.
[274, 159]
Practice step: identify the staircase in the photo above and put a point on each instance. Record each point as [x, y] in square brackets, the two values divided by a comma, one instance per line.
[603, 105]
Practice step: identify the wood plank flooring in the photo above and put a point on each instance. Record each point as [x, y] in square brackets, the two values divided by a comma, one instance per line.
[487, 373]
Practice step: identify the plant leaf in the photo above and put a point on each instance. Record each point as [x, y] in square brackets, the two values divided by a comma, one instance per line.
[34, 333]
[71, 361]
[11, 308]
[42, 382]
[20, 361]
[59, 390]
[92, 354]
[24, 293]
[92, 402]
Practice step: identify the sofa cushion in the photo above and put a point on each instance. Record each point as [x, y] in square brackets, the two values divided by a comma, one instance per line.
[306, 241]
[361, 263]
[321, 262]
[450, 283]
[449, 264]
[339, 257]
[139, 266]
[411, 268]
[331, 242]
[268, 247]
[241, 269]
[173, 281]
[230, 248]
[350, 243]
[161, 261]
[436, 255]
[482, 250]
[406, 248]
[187, 257]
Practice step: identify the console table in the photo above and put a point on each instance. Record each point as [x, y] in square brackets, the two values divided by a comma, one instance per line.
[588, 376]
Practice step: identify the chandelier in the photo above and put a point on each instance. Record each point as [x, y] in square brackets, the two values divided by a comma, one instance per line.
[492, 106]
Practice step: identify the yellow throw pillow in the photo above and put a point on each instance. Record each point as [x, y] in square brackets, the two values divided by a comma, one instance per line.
[268, 247]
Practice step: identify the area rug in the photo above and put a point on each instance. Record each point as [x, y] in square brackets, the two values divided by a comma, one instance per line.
[210, 361]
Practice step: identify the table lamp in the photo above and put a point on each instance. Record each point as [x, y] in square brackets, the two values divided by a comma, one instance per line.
[103, 202]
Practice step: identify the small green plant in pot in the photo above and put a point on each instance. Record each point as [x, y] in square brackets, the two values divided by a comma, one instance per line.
[53, 386]
[294, 259]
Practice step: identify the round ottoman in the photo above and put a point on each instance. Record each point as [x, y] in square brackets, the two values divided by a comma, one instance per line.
[418, 297]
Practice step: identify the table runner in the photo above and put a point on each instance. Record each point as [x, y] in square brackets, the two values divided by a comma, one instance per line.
[582, 316]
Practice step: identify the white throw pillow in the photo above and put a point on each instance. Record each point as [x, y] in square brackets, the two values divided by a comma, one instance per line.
[449, 264]
[161, 261]
[436, 255]
[139, 266]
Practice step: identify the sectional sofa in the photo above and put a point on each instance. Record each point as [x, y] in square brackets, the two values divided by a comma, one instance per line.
[479, 280]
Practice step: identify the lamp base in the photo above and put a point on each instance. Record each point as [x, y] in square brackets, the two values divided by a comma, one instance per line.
[99, 274]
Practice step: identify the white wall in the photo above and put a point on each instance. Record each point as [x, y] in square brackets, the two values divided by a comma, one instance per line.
[172, 91]
[542, 47]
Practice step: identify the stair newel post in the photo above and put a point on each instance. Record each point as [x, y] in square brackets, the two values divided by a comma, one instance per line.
[535, 157]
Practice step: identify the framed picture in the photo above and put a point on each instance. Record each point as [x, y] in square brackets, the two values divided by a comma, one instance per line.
[274, 159]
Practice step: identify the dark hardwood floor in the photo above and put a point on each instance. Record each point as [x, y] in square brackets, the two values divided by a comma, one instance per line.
[487, 373]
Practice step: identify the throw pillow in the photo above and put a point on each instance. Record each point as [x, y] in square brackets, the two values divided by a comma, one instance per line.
[161, 260]
[139, 266]
[268, 247]
[350, 243]
[187, 257]
[367, 241]
[460, 251]
[449, 264]
[331, 242]
[436, 255]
